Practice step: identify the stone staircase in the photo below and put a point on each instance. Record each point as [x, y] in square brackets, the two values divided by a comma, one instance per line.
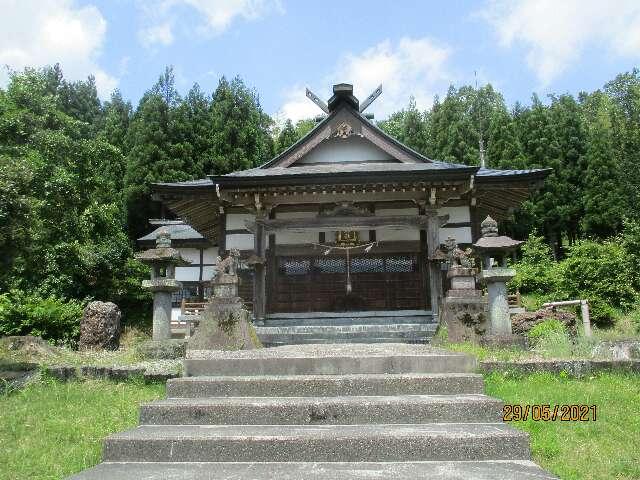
[312, 412]
[397, 326]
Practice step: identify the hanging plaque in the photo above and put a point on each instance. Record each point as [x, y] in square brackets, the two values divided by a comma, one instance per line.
[347, 238]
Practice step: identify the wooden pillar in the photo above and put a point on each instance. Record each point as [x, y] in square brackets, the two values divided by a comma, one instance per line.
[222, 233]
[435, 282]
[434, 222]
[260, 278]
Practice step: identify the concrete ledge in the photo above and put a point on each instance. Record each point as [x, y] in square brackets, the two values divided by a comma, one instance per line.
[350, 410]
[348, 443]
[576, 368]
[326, 385]
[328, 359]
[365, 314]
[476, 470]
[118, 373]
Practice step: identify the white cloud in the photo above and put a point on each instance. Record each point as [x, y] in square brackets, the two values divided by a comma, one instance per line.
[556, 33]
[220, 13]
[34, 33]
[411, 67]
[157, 34]
[217, 16]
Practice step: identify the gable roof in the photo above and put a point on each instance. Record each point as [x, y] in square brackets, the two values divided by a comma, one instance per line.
[367, 129]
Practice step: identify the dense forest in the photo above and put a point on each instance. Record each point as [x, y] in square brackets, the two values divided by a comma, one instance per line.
[75, 172]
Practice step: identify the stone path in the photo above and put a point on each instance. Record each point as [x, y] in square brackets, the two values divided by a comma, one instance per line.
[387, 411]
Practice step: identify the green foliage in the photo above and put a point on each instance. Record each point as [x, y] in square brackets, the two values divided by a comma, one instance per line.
[604, 273]
[536, 271]
[545, 329]
[48, 317]
[286, 137]
[601, 273]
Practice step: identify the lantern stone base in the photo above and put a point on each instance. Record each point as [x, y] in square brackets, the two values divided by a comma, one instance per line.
[161, 315]
[496, 280]
[464, 309]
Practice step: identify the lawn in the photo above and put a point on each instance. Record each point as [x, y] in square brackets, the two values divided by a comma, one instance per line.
[608, 448]
[50, 430]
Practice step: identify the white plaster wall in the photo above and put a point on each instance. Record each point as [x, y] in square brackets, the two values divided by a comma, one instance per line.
[241, 241]
[191, 254]
[461, 234]
[456, 214]
[175, 314]
[296, 238]
[338, 150]
[188, 274]
[207, 273]
[210, 255]
[235, 221]
[388, 234]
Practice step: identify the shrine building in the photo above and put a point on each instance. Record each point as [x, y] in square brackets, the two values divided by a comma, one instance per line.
[340, 231]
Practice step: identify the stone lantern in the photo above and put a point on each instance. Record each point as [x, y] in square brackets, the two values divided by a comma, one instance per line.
[163, 261]
[492, 246]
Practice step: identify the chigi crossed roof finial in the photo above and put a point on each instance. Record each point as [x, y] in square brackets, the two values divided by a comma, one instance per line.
[343, 92]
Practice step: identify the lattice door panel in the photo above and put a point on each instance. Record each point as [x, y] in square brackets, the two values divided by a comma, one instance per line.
[379, 282]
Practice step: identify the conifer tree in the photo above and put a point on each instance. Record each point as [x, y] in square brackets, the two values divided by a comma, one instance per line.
[603, 196]
[287, 137]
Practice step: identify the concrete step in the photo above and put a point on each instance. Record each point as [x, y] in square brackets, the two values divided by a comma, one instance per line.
[402, 409]
[326, 385]
[323, 443]
[305, 334]
[349, 318]
[410, 340]
[329, 359]
[432, 470]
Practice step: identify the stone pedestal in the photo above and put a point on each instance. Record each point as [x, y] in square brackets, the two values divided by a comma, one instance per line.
[162, 290]
[496, 280]
[161, 316]
[225, 286]
[464, 308]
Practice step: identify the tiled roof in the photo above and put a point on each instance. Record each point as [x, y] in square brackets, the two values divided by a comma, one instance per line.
[491, 172]
[177, 231]
[336, 168]
[187, 183]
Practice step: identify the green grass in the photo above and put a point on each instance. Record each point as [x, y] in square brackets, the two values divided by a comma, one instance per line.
[605, 449]
[50, 430]
[47, 354]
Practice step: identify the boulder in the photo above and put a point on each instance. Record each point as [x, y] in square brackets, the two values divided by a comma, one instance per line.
[100, 327]
[523, 322]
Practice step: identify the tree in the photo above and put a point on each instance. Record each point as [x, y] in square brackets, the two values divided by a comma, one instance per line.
[603, 196]
[287, 137]
[116, 119]
[624, 91]
[239, 129]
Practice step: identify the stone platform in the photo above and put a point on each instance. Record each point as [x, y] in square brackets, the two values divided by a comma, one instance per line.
[396, 326]
[312, 412]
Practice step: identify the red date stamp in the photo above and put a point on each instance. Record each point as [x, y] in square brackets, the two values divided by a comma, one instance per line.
[548, 413]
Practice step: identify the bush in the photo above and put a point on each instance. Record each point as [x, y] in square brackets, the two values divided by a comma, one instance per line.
[545, 329]
[51, 318]
[631, 244]
[536, 272]
[601, 273]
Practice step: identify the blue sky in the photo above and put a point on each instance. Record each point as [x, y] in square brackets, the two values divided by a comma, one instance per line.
[278, 47]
